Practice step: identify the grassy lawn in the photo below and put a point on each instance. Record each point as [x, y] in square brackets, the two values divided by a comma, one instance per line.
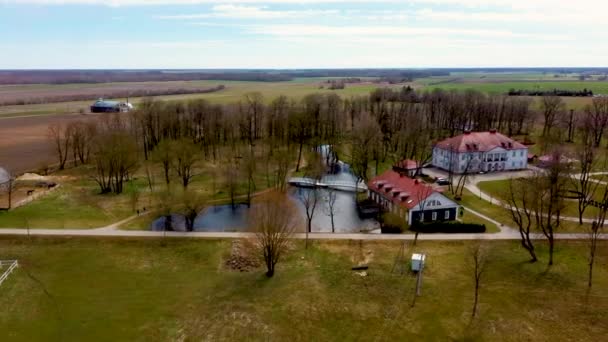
[75, 204]
[503, 216]
[472, 218]
[78, 204]
[142, 290]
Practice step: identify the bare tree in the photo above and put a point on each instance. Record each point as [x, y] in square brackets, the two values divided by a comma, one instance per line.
[192, 204]
[60, 137]
[462, 179]
[186, 155]
[597, 116]
[115, 157]
[549, 188]
[571, 126]
[595, 231]
[163, 154]
[231, 180]
[422, 194]
[479, 258]
[584, 186]
[165, 203]
[366, 136]
[520, 200]
[282, 159]
[81, 135]
[330, 209]
[309, 199]
[551, 107]
[273, 224]
[249, 168]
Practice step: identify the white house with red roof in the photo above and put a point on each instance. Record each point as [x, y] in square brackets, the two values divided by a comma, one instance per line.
[473, 152]
[410, 198]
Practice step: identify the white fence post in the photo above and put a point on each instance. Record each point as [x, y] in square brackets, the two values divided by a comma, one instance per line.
[13, 264]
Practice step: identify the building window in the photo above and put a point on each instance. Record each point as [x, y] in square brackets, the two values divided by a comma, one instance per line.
[447, 215]
[514, 153]
[434, 216]
[463, 156]
[521, 153]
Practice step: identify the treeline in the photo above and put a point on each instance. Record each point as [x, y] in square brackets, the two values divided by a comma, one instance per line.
[110, 95]
[387, 124]
[555, 92]
[107, 76]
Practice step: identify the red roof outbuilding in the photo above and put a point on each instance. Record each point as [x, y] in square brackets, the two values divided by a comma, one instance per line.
[403, 191]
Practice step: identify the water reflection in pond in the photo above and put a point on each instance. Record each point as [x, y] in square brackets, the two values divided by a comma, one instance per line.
[346, 218]
[219, 218]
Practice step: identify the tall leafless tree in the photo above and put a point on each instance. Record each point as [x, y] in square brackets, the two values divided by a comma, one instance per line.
[331, 210]
[549, 188]
[309, 199]
[60, 138]
[582, 182]
[551, 107]
[186, 155]
[521, 200]
[479, 258]
[273, 222]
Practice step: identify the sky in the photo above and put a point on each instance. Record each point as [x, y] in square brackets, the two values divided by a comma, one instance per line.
[186, 34]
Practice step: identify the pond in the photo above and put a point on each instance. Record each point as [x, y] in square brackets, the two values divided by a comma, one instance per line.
[224, 218]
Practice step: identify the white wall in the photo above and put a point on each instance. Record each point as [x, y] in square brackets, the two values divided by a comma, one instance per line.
[514, 160]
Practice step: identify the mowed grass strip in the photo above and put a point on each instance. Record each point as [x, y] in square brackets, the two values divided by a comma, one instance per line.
[147, 290]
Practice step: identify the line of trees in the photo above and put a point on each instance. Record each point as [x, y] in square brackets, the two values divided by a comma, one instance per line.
[554, 92]
[93, 94]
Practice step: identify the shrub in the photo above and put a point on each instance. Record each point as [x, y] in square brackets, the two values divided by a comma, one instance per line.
[392, 224]
[448, 227]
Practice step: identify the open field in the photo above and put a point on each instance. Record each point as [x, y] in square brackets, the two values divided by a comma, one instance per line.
[41, 93]
[233, 92]
[24, 144]
[151, 290]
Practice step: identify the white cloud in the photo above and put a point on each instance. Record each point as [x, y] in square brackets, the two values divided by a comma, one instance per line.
[250, 12]
[391, 31]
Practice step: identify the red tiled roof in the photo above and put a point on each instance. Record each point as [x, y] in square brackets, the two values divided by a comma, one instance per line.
[407, 164]
[400, 190]
[479, 142]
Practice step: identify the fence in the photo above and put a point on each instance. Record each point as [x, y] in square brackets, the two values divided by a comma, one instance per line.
[13, 264]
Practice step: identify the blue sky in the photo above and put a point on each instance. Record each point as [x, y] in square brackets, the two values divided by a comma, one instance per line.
[301, 33]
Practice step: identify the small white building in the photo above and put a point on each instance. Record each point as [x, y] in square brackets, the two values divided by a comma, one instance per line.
[474, 152]
[4, 179]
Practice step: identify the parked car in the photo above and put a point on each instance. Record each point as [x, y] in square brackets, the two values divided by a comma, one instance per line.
[442, 181]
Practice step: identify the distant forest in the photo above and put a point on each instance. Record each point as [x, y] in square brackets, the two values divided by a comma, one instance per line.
[107, 76]
[557, 92]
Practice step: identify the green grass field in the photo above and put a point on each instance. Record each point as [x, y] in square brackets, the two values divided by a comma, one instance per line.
[143, 290]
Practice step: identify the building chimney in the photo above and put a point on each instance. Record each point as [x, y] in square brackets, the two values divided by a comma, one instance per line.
[416, 182]
[493, 131]
[467, 132]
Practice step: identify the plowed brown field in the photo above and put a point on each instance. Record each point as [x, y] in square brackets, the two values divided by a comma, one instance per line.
[24, 144]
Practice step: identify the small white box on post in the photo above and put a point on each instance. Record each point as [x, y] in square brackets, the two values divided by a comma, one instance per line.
[418, 262]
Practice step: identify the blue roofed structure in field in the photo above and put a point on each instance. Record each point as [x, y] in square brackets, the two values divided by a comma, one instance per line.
[105, 106]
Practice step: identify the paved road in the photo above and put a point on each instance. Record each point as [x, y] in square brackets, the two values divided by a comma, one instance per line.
[106, 232]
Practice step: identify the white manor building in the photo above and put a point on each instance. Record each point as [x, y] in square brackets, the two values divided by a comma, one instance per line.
[474, 152]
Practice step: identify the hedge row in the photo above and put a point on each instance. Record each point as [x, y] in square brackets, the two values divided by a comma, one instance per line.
[448, 227]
